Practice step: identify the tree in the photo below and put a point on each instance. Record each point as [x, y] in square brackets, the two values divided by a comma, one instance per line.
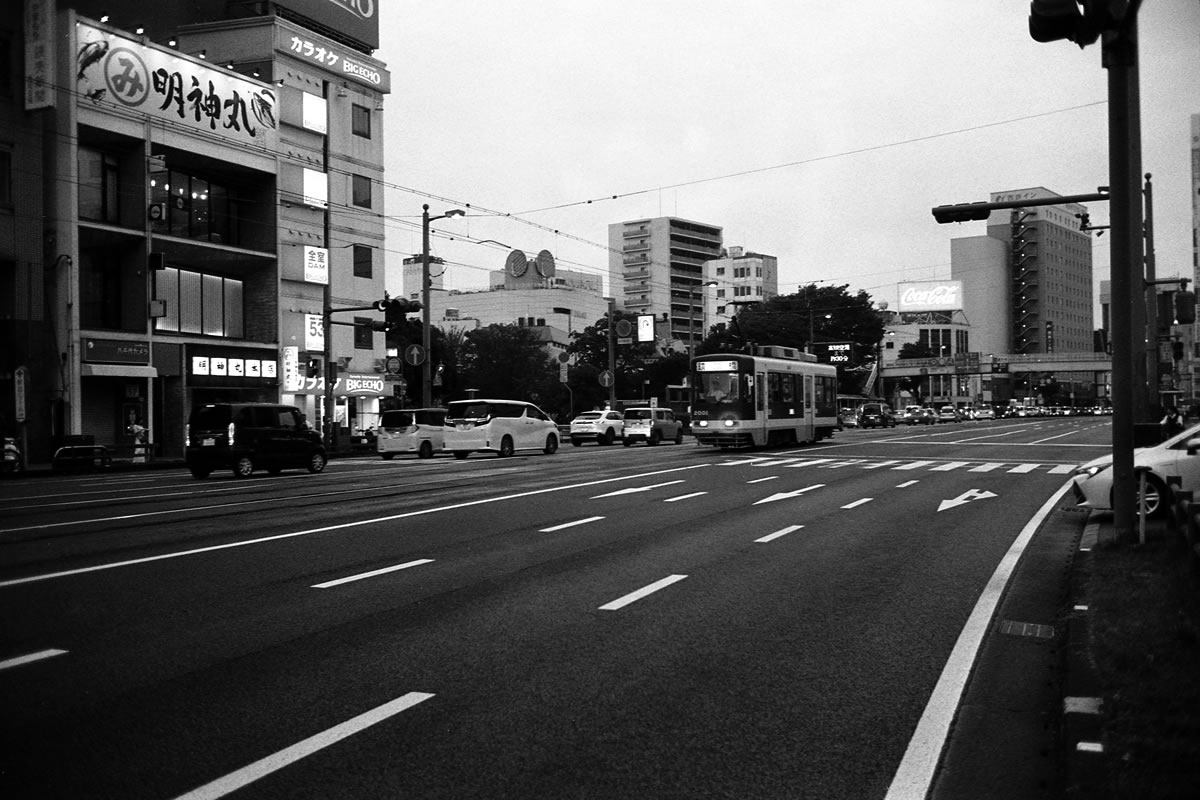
[507, 361]
[632, 362]
[816, 313]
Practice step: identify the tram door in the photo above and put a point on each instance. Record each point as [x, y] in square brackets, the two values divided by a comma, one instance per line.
[810, 409]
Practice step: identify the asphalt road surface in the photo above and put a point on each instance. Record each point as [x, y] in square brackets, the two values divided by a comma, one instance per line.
[606, 622]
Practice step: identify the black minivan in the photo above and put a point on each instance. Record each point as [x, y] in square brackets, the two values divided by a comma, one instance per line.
[244, 437]
[876, 415]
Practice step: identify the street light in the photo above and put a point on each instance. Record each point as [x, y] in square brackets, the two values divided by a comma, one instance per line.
[427, 364]
[692, 317]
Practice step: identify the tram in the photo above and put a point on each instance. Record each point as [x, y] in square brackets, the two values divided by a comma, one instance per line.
[774, 396]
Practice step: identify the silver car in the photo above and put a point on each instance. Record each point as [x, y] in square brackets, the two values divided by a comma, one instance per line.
[1093, 481]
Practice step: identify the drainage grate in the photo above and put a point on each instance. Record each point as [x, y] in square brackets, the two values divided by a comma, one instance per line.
[1033, 629]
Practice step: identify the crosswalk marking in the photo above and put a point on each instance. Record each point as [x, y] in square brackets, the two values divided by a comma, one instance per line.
[1010, 467]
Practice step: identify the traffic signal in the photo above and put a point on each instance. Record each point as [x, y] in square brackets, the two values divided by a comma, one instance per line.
[313, 368]
[1185, 307]
[963, 212]
[1177, 350]
[1052, 20]
[394, 309]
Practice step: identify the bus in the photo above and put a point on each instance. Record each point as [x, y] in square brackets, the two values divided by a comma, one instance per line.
[774, 396]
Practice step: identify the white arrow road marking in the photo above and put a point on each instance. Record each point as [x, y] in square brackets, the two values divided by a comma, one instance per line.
[636, 489]
[966, 497]
[788, 495]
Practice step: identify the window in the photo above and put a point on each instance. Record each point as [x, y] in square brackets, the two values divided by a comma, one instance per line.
[98, 186]
[364, 337]
[361, 195]
[200, 303]
[196, 208]
[6, 192]
[362, 261]
[360, 121]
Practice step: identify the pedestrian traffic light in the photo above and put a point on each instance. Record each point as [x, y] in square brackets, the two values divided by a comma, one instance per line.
[1185, 307]
[963, 212]
[313, 368]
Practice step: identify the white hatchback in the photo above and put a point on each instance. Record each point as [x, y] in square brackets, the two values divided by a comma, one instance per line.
[497, 426]
[410, 430]
[602, 427]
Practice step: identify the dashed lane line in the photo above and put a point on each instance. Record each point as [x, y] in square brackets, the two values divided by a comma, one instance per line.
[645, 591]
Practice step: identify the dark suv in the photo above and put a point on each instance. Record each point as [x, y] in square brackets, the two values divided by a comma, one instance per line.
[876, 415]
[244, 437]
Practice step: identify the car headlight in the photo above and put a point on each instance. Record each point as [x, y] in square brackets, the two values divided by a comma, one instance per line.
[1088, 471]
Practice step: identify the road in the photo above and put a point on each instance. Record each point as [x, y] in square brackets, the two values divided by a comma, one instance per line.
[606, 622]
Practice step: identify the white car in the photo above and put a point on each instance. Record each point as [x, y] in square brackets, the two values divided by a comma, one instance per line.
[497, 426]
[602, 427]
[985, 413]
[1094, 480]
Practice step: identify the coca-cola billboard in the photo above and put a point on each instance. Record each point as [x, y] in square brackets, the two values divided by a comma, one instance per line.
[931, 296]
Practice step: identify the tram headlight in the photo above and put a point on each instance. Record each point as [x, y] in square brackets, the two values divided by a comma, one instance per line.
[702, 423]
[730, 423]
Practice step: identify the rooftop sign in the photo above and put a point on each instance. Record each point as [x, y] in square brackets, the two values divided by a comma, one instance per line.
[931, 296]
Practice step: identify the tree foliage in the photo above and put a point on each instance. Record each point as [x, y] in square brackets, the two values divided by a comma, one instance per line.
[507, 361]
[815, 313]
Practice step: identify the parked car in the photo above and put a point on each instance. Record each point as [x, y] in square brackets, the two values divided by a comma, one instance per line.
[876, 415]
[652, 425]
[1093, 481]
[497, 426]
[244, 437]
[410, 430]
[601, 427]
[949, 414]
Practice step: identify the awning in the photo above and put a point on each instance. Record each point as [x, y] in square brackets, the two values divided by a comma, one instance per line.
[118, 371]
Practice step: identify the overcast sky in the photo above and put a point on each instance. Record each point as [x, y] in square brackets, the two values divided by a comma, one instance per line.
[818, 132]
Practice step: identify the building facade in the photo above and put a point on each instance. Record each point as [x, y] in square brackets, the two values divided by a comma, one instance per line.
[183, 228]
[737, 277]
[657, 266]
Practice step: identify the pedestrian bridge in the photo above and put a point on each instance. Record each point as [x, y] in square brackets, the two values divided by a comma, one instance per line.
[1009, 363]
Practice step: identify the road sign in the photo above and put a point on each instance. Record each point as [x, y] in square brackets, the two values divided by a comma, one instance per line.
[414, 354]
[392, 365]
[606, 379]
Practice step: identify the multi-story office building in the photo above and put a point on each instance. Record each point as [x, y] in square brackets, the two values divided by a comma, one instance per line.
[657, 266]
[183, 224]
[738, 277]
[1032, 294]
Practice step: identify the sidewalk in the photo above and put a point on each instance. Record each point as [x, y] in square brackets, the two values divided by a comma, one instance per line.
[1068, 696]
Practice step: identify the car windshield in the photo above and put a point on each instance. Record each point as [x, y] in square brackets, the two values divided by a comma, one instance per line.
[638, 413]
[470, 410]
[590, 416]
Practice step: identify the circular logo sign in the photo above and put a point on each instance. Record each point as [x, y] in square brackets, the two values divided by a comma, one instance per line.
[126, 76]
[392, 365]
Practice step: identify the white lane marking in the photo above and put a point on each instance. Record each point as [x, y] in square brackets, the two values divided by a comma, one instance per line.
[988, 467]
[1052, 438]
[775, 462]
[372, 573]
[273, 763]
[782, 532]
[760, 480]
[810, 462]
[633, 597]
[743, 462]
[684, 497]
[339, 526]
[566, 525]
[29, 658]
[951, 465]
[915, 774]
[966, 497]
[881, 464]
[1063, 469]
[840, 464]
[915, 465]
[1023, 468]
[636, 489]
[858, 503]
[906, 484]
[788, 495]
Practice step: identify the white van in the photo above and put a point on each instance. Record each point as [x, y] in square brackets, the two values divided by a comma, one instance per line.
[410, 430]
[497, 426]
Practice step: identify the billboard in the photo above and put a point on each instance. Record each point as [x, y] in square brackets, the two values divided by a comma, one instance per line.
[358, 19]
[931, 296]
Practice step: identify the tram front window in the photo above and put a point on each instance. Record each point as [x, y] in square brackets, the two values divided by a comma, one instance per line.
[719, 387]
